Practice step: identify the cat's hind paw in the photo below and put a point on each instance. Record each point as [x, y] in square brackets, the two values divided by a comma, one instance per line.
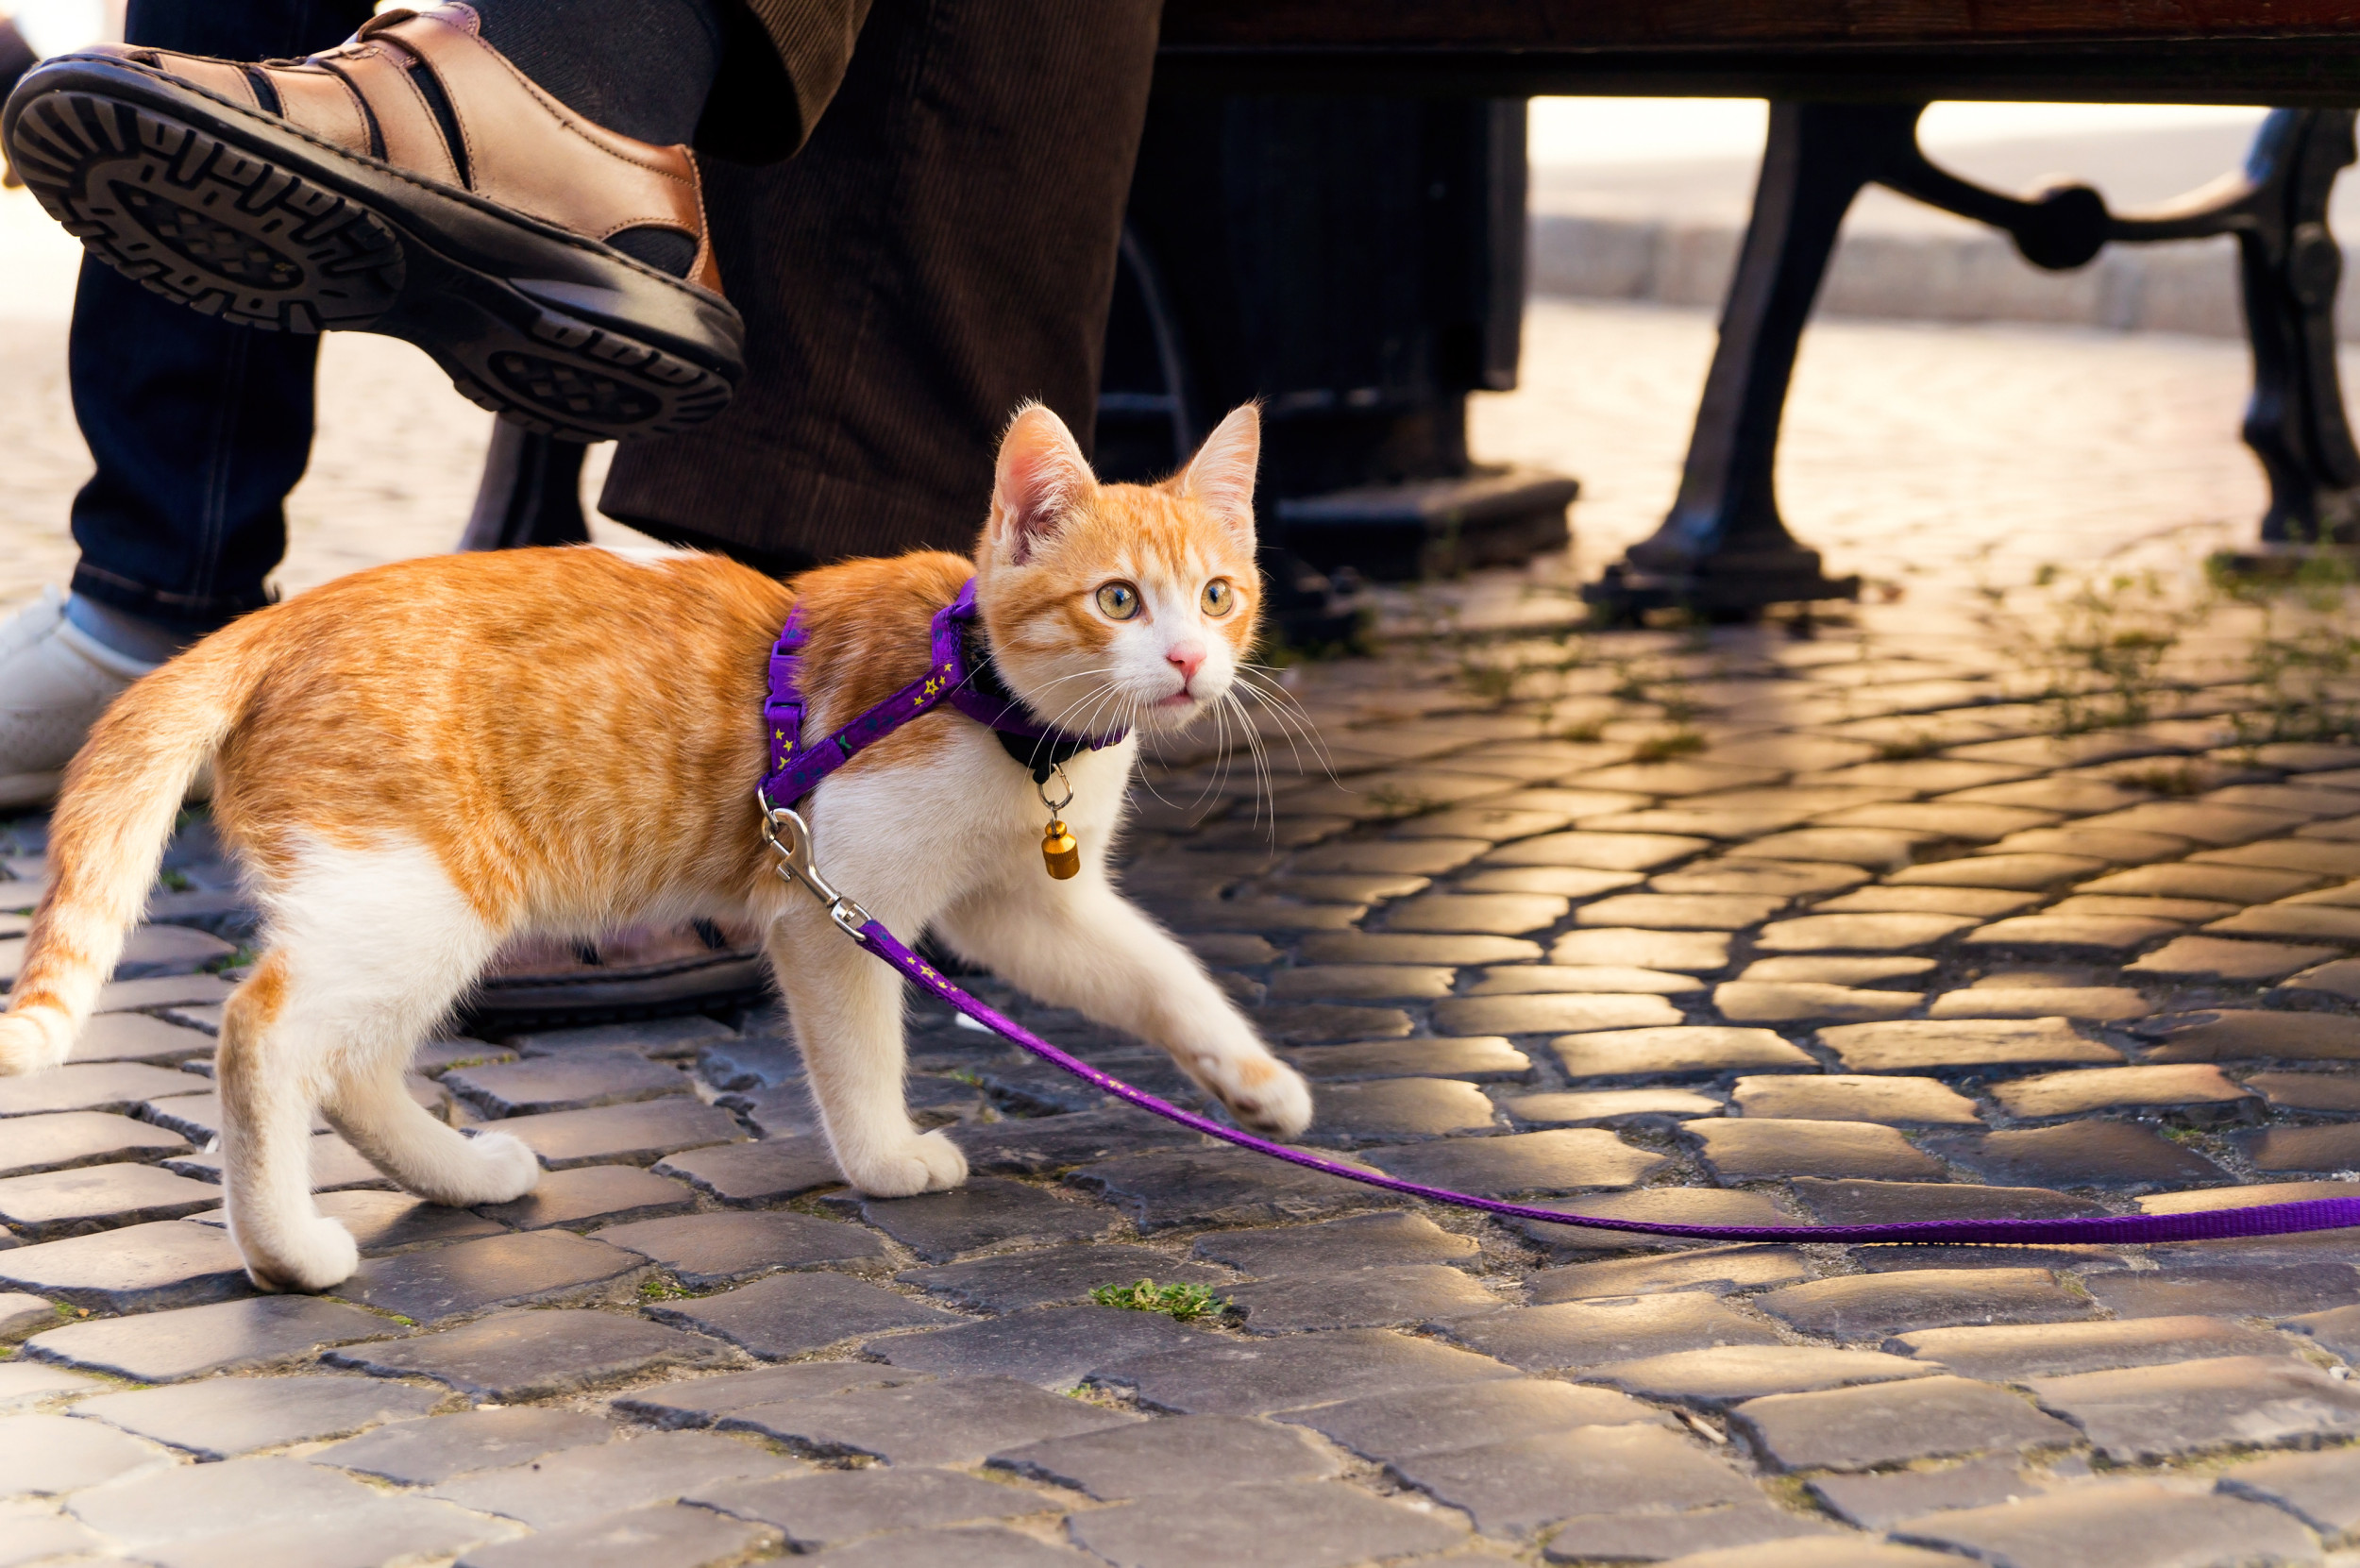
[926, 1162]
[308, 1257]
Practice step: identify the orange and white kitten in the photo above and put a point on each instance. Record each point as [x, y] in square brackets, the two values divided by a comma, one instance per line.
[417, 761]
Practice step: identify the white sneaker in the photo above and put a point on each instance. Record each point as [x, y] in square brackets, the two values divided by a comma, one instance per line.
[54, 681]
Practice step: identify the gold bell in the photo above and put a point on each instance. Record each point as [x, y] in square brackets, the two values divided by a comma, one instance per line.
[1060, 850]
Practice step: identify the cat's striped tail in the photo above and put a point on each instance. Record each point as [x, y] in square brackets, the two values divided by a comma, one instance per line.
[115, 812]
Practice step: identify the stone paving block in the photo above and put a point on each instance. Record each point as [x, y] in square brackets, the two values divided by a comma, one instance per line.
[258, 1511]
[91, 1198]
[1734, 1534]
[22, 1314]
[1969, 822]
[2181, 1088]
[1365, 1298]
[2111, 935]
[1854, 1097]
[1598, 852]
[1066, 1274]
[1379, 947]
[1713, 1269]
[666, 1037]
[699, 1401]
[2115, 846]
[2119, 1524]
[1682, 911]
[384, 1223]
[1290, 1023]
[1529, 979]
[137, 1269]
[2321, 1490]
[1876, 1501]
[2307, 855]
[1422, 857]
[2207, 1198]
[1054, 1348]
[1984, 903]
[2098, 1003]
[1639, 1106]
[23, 1385]
[610, 1194]
[48, 1455]
[2332, 1148]
[705, 1250]
[1561, 1161]
[336, 1165]
[421, 1453]
[2295, 923]
[1214, 1187]
[435, 1058]
[219, 1418]
[1914, 1045]
[638, 1134]
[754, 1173]
[1307, 1524]
[2204, 822]
[1355, 1242]
[675, 1536]
[1871, 1203]
[2307, 1091]
[785, 1315]
[1792, 1002]
[1255, 1376]
[2192, 880]
[2013, 1352]
[2231, 1035]
[189, 1341]
[2184, 911]
[1835, 968]
[1765, 1149]
[2019, 871]
[1875, 849]
[2077, 1153]
[1859, 933]
[1669, 1205]
[1782, 879]
[952, 1421]
[986, 1212]
[576, 1484]
[535, 1354]
[748, 1063]
[1701, 1049]
[1728, 1374]
[500, 1271]
[1521, 1484]
[2146, 1414]
[1589, 1332]
[2231, 1287]
[117, 1086]
[1038, 1145]
[1361, 982]
[574, 1080]
[1478, 914]
[1400, 1108]
[163, 991]
[2340, 979]
[836, 1506]
[1892, 1423]
[65, 1140]
[1566, 882]
[1870, 1306]
[137, 1037]
[1387, 1427]
[969, 1545]
[1539, 1014]
[1178, 1455]
[2227, 958]
[1687, 951]
[1480, 1058]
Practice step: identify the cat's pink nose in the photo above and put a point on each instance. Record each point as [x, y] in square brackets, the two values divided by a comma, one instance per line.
[1187, 658]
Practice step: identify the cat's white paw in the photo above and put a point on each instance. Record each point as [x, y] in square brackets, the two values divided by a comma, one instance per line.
[503, 1170]
[309, 1257]
[927, 1162]
[1264, 1093]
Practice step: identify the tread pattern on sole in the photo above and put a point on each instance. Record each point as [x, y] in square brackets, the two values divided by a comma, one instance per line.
[200, 221]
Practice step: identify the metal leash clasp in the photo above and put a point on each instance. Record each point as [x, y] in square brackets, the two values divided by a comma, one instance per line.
[789, 837]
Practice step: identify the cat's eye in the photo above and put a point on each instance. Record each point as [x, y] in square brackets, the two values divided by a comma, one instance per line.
[1119, 600]
[1219, 597]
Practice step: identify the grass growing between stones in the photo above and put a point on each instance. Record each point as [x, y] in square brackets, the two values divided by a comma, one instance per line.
[1180, 1303]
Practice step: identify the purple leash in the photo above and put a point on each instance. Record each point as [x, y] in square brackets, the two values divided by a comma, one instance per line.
[792, 777]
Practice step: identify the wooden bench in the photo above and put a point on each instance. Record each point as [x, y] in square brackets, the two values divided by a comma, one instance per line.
[1848, 79]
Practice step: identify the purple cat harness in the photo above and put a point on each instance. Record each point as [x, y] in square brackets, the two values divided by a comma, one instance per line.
[796, 768]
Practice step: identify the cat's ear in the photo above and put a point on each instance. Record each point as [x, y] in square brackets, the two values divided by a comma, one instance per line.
[1220, 475]
[1042, 479]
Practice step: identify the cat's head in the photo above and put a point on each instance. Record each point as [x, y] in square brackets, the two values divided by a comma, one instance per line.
[1119, 604]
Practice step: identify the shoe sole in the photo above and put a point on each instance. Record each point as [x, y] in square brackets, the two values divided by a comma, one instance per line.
[241, 216]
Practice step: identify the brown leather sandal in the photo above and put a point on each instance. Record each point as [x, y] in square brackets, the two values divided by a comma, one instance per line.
[410, 183]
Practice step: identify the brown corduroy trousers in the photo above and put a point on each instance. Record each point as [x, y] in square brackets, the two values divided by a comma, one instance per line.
[942, 248]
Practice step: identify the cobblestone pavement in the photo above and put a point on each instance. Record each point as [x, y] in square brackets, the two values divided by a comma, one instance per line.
[1986, 901]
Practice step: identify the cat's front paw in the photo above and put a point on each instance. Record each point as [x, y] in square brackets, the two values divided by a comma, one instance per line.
[927, 1162]
[1264, 1093]
[307, 1257]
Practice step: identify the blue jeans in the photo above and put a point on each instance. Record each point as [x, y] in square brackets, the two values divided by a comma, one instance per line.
[200, 429]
